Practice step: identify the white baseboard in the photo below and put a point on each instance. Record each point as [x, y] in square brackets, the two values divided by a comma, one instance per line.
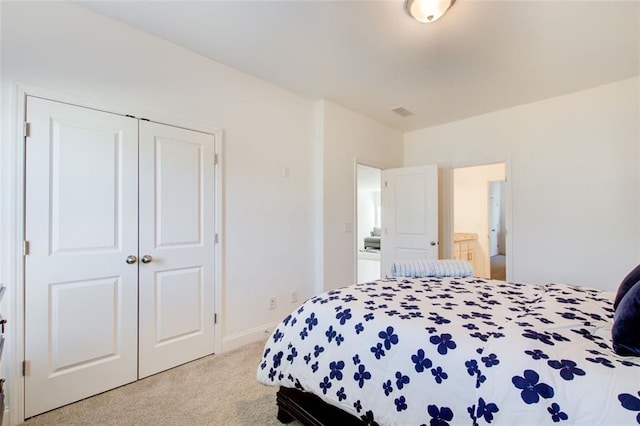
[257, 334]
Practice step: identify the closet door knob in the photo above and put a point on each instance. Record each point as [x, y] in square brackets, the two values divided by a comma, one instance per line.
[131, 259]
[146, 258]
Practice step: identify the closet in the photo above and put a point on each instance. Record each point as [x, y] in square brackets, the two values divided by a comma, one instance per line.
[119, 250]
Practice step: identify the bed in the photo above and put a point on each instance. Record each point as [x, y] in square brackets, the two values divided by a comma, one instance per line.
[450, 350]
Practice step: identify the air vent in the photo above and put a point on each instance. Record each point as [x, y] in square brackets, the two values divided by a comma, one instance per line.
[402, 111]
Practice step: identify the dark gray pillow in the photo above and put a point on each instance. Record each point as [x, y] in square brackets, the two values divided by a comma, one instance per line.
[629, 281]
[626, 323]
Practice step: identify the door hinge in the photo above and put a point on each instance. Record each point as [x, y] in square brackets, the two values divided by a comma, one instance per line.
[215, 159]
[26, 368]
[26, 129]
[386, 183]
[215, 318]
[216, 238]
[25, 248]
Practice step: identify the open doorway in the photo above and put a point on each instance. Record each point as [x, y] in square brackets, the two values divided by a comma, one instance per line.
[369, 219]
[497, 230]
[479, 219]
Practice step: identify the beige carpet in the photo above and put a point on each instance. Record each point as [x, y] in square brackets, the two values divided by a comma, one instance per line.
[215, 390]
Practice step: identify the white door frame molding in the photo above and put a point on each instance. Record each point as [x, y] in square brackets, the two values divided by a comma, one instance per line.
[12, 226]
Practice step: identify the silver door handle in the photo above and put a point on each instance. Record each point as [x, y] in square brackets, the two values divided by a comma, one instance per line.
[146, 258]
[131, 259]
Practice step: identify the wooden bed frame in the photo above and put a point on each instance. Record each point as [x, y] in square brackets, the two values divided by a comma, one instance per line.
[308, 409]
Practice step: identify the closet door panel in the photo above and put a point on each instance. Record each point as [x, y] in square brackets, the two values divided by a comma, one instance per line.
[81, 223]
[177, 235]
[178, 189]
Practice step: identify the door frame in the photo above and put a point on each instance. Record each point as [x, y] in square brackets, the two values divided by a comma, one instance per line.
[447, 228]
[13, 225]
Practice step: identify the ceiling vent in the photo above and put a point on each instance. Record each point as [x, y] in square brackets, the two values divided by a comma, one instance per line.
[402, 111]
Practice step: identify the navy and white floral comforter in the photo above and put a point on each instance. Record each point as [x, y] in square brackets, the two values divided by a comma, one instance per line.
[453, 351]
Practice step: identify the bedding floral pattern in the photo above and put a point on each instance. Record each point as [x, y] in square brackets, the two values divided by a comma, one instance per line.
[443, 351]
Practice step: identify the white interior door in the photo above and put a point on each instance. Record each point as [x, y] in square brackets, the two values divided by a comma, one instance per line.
[177, 233]
[409, 215]
[81, 224]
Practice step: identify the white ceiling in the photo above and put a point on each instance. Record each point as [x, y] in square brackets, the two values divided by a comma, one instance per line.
[369, 56]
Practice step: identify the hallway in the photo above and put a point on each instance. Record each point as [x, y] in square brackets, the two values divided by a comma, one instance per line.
[498, 267]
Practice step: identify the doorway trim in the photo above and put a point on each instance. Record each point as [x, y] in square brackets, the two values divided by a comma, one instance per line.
[447, 227]
[13, 225]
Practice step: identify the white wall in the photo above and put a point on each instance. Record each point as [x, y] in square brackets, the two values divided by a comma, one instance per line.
[269, 220]
[471, 208]
[574, 180]
[348, 137]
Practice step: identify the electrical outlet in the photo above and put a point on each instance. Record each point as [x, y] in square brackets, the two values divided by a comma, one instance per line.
[294, 296]
[272, 302]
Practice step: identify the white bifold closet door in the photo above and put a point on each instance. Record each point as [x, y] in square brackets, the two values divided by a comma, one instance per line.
[177, 233]
[103, 191]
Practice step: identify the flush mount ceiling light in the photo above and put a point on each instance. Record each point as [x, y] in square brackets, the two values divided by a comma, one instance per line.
[427, 10]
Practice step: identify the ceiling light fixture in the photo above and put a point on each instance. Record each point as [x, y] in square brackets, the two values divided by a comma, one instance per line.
[427, 10]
